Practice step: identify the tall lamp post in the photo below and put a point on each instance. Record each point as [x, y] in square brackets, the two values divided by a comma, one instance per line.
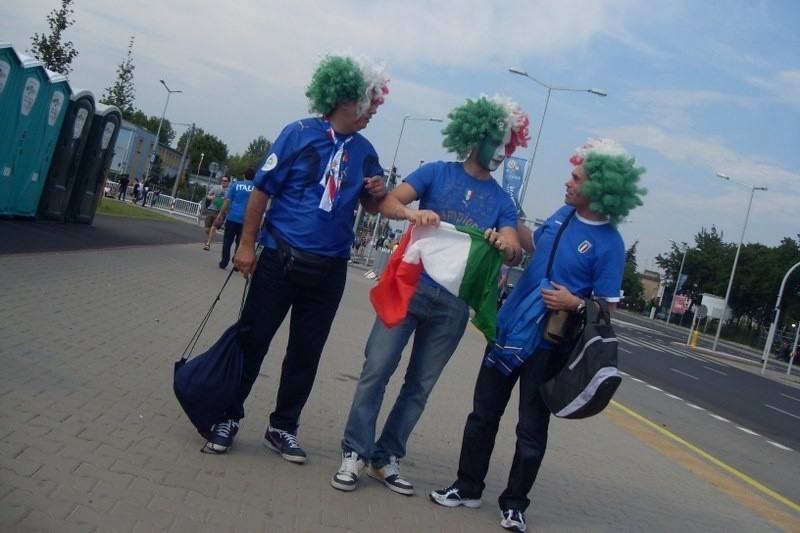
[393, 170]
[753, 189]
[677, 282]
[550, 88]
[158, 131]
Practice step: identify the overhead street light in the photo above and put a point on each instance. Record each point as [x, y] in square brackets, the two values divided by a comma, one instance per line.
[393, 172]
[158, 131]
[550, 88]
[753, 189]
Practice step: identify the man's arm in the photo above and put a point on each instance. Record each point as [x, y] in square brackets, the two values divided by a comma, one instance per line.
[245, 258]
[395, 207]
[376, 188]
[525, 237]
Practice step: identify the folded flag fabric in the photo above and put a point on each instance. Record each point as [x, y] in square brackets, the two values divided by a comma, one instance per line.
[456, 257]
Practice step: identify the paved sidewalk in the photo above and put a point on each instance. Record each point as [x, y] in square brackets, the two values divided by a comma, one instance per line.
[92, 439]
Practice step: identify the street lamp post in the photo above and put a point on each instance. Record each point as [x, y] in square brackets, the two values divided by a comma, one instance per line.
[393, 169]
[550, 88]
[736, 257]
[183, 161]
[158, 131]
[677, 282]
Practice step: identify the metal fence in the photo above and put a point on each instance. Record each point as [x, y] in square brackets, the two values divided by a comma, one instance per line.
[160, 202]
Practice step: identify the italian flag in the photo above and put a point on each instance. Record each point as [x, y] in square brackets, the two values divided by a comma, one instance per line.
[456, 257]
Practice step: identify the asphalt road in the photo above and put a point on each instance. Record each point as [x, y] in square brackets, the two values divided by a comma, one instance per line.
[18, 236]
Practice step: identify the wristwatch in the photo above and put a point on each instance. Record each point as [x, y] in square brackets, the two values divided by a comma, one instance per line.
[581, 306]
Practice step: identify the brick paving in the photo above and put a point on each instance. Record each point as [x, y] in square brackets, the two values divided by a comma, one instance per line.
[92, 439]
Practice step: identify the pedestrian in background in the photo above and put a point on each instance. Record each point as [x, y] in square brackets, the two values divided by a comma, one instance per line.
[214, 200]
[232, 213]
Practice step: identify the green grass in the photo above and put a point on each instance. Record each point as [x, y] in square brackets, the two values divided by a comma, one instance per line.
[110, 206]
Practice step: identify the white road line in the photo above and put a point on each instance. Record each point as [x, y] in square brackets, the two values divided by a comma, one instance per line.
[684, 374]
[624, 350]
[790, 397]
[781, 446]
[721, 419]
[714, 370]
[673, 396]
[782, 411]
[693, 406]
[655, 388]
[748, 431]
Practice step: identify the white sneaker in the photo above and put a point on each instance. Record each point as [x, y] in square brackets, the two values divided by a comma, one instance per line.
[390, 476]
[352, 468]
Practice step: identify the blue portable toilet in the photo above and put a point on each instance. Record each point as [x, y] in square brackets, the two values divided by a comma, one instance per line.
[18, 110]
[66, 158]
[33, 162]
[24, 118]
[94, 164]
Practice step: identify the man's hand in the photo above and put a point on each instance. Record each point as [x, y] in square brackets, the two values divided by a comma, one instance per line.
[501, 242]
[559, 298]
[422, 217]
[245, 260]
[375, 186]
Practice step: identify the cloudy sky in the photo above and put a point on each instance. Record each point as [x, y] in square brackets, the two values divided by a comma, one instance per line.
[694, 88]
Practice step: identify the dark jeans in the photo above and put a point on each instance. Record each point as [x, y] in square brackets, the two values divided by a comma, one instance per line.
[233, 230]
[313, 309]
[492, 392]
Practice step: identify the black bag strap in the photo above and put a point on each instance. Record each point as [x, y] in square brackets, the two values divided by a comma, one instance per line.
[555, 244]
[593, 316]
[196, 337]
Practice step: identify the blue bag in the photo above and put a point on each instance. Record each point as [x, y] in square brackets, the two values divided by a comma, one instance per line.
[207, 387]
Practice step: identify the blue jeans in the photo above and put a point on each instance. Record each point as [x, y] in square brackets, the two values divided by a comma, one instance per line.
[438, 320]
[492, 392]
[313, 309]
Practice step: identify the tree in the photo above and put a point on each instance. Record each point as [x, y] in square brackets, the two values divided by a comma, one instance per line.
[214, 150]
[167, 134]
[251, 158]
[631, 284]
[122, 93]
[49, 49]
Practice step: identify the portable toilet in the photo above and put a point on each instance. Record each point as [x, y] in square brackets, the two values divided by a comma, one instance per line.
[66, 158]
[94, 164]
[33, 166]
[10, 71]
[19, 112]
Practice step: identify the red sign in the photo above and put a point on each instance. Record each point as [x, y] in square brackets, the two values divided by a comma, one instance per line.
[680, 304]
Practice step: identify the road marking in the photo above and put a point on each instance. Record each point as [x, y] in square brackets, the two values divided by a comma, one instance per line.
[655, 388]
[624, 350]
[693, 406]
[673, 396]
[684, 373]
[748, 431]
[715, 370]
[721, 419]
[724, 466]
[782, 411]
[790, 397]
[781, 446]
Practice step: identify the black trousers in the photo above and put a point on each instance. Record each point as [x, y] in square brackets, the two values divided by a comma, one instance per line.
[268, 302]
[492, 392]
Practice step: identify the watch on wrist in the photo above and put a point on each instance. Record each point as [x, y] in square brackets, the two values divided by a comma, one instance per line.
[581, 306]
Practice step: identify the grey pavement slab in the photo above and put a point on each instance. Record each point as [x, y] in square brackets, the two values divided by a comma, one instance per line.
[92, 439]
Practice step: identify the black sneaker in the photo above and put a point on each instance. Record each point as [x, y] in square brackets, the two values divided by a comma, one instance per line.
[450, 497]
[513, 520]
[285, 444]
[220, 439]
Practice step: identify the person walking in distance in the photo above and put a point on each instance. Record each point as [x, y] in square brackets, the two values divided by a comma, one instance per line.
[214, 200]
[315, 174]
[232, 213]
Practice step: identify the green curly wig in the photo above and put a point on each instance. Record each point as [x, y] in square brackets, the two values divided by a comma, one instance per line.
[343, 78]
[612, 187]
[476, 120]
